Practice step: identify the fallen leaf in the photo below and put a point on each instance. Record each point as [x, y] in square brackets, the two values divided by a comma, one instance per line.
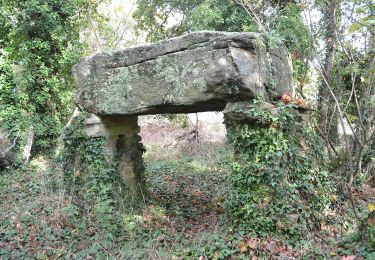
[371, 206]
[243, 246]
[287, 98]
[33, 236]
[252, 243]
[271, 247]
[20, 229]
[349, 257]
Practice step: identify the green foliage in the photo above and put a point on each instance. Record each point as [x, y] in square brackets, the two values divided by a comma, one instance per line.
[190, 188]
[41, 42]
[12, 121]
[40, 218]
[290, 28]
[180, 120]
[279, 182]
[10, 100]
[46, 224]
[155, 17]
[93, 182]
[282, 19]
[217, 15]
[90, 174]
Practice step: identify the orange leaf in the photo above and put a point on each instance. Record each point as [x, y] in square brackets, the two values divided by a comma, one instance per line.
[287, 98]
[301, 102]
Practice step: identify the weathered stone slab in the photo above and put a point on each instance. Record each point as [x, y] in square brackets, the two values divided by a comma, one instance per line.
[197, 72]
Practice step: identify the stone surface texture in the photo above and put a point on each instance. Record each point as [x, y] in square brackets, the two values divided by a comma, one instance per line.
[124, 145]
[198, 72]
[202, 71]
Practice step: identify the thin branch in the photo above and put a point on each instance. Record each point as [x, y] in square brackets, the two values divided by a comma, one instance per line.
[354, 132]
[341, 117]
[328, 142]
[252, 14]
[124, 23]
[95, 33]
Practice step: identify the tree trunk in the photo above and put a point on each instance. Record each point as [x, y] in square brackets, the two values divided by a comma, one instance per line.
[28, 146]
[330, 16]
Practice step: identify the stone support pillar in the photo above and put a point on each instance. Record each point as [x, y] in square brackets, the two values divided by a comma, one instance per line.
[123, 146]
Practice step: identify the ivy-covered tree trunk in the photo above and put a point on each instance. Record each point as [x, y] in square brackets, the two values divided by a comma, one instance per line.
[41, 41]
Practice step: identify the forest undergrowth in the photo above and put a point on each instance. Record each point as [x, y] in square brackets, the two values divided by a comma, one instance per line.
[182, 217]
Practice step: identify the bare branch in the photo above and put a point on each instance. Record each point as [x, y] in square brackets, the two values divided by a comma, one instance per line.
[252, 14]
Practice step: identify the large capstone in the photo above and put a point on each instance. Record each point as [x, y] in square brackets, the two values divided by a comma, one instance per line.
[202, 71]
[197, 72]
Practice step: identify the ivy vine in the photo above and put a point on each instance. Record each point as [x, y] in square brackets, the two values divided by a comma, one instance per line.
[279, 182]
